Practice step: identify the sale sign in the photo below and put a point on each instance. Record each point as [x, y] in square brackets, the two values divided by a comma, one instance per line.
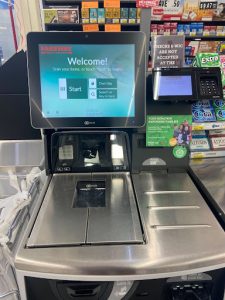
[147, 3]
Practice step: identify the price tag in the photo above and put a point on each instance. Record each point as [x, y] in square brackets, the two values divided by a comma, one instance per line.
[208, 4]
[198, 127]
[113, 27]
[111, 3]
[198, 155]
[91, 4]
[90, 27]
[147, 3]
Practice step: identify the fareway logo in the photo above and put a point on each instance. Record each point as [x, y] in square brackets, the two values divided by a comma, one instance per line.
[46, 49]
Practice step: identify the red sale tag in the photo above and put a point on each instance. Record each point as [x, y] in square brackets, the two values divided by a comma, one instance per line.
[147, 3]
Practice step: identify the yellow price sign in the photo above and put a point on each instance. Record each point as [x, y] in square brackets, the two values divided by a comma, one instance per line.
[198, 155]
[198, 127]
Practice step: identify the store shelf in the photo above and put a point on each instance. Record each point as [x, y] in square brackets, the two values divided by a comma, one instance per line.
[213, 22]
[79, 27]
[73, 2]
[207, 154]
[208, 125]
[205, 38]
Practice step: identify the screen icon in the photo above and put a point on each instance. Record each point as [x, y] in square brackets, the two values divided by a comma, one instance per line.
[92, 83]
[92, 94]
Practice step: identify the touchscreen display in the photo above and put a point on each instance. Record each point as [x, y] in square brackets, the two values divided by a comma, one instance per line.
[81, 80]
[174, 85]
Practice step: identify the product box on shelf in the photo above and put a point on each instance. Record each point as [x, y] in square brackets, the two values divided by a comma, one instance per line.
[202, 104]
[138, 15]
[203, 115]
[93, 15]
[192, 47]
[173, 28]
[219, 12]
[50, 16]
[68, 15]
[124, 15]
[216, 133]
[154, 28]
[208, 46]
[199, 144]
[160, 29]
[166, 28]
[101, 15]
[218, 104]
[116, 15]
[220, 114]
[190, 11]
[198, 134]
[85, 15]
[108, 14]
[132, 15]
[217, 143]
[180, 29]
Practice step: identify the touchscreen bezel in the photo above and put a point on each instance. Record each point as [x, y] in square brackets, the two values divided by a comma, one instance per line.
[34, 39]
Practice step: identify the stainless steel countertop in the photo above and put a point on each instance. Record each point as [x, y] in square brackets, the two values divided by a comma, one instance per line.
[182, 237]
[211, 172]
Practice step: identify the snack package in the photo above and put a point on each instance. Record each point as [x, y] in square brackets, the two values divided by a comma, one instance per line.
[50, 16]
[93, 15]
[199, 144]
[85, 15]
[217, 132]
[153, 28]
[108, 14]
[68, 15]
[220, 114]
[203, 115]
[218, 104]
[198, 134]
[217, 143]
[201, 104]
[132, 15]
[124, 14]
[101, 15]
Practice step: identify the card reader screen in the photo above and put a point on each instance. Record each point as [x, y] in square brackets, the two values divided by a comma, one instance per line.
[82, 81]
[174, 86]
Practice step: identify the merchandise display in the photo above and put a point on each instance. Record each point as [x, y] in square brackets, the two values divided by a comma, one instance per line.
[187, 29]
[61, 15]
[64, 15]
[189, 10]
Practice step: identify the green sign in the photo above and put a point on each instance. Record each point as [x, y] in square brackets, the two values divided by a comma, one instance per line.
[179, 151]
[168, 130]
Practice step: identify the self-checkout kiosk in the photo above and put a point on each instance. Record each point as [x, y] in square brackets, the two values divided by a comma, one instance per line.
[116, 220]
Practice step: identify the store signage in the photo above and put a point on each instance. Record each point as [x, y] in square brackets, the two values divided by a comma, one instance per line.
[90, 27]
[113, 27]
[90, 4]
[111, 3]
[147, 3]
[168, 130]
[168, 51]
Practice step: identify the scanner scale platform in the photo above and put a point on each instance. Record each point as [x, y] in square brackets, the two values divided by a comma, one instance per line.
[60, 223]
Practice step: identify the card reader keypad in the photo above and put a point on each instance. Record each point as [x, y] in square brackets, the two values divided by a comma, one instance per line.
[208, 87]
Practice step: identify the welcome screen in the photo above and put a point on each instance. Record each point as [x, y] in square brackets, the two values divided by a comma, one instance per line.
[87, 80]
